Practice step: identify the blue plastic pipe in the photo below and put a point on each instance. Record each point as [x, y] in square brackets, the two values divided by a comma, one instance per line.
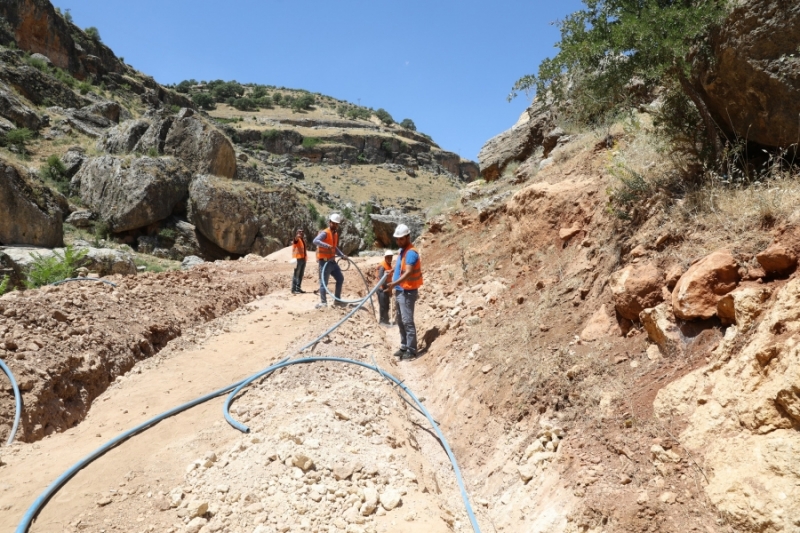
[386, 375]
[17, 401]
[322, 283]
[85, 279]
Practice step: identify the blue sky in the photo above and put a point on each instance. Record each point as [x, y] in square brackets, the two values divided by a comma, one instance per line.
[447, 65]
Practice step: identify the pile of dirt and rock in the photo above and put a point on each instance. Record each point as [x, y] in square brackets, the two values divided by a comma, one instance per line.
[66, 344]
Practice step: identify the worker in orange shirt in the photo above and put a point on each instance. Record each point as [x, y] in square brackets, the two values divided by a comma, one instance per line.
[327, 243]
[299, 254]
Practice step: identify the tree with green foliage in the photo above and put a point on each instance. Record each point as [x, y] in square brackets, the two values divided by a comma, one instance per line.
[612, 43]
[408, 124]
[384, 116]
[68, 15]
[185, 85]
[224, 91]
[304, 102]
[92, 33]
[259, 91]
[244, 104]
[204, 101]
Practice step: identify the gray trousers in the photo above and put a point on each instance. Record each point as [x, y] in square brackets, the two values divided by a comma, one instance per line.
[331, 269]
[404, 316]
[299, 272]
[383, 305]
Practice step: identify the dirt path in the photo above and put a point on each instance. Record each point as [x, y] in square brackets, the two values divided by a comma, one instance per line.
[337, 416]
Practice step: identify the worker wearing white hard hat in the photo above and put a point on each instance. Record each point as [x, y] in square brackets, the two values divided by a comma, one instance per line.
[406, 281]
[385, 267]
[327, 243]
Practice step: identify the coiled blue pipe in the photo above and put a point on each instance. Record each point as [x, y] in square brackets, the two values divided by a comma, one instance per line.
[17, 401]
[85, 279]
[322, 283]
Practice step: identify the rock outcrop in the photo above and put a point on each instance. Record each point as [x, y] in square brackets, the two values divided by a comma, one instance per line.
[12, 109]
[383, 227]
[202, 147]
[123, 138]
[699, 290]
[131, 193]
[516, 144]
[30, 214]
[752, 77]
[243, 218]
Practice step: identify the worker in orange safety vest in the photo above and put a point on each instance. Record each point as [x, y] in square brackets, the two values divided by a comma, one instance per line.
[406, 282]
[327, 243]
[299, 254]
[385, 267]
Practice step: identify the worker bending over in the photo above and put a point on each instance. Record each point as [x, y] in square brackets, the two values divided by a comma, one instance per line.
[406, 281]
[327, 243]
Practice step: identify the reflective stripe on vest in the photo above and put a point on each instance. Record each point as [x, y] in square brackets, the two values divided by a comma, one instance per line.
[299, 249]
[414, 280]
[332, 240]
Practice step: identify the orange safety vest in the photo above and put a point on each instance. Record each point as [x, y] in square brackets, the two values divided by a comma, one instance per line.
[414, 281]
[299, 248]
[332, 240]
[385, 266]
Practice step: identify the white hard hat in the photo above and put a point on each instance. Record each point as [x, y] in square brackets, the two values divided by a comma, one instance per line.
[335, 217]
[401, 231]
[387, 253]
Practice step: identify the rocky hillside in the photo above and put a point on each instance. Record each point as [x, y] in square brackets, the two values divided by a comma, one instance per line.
[93, 150]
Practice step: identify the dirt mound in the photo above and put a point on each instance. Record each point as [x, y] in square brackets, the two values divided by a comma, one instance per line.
[66, 344]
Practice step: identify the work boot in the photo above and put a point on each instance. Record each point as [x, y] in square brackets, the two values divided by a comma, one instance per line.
[400, 353]
[408, 355]
[321, 305]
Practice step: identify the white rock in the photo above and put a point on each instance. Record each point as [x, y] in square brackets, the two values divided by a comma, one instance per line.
[390, 499]
[196, 508]
[195, 525]
[527, 471]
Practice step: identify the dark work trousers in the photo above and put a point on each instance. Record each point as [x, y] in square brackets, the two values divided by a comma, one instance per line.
[299, 271]
[331, 269]
[384, 299]
[404, 316]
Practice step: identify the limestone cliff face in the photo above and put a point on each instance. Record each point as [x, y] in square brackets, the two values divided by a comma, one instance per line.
[36, 27]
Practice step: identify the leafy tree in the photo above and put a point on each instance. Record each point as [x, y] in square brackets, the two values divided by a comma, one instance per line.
[224, 91]
[277, 97]
[68, 15]
[92, 33]
[204, 101]
[304, 101]
[408, 124]
[259, 91]
[245, 104]
[611, 43]
[384, 116]
[185, 85]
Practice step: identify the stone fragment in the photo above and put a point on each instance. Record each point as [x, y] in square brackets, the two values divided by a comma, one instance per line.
[653, 353]
[777, 259]
[196, 508]
[635, 288]
[102, 502]
[599, 326]
[343, 471]
[661, 328]
[667, 497]
[486, 369]
[195, 525]
[526, 472]
[702, 286]
[743, 306]
[302, 462]
[566, 234]
[370, 501]
[390, 498]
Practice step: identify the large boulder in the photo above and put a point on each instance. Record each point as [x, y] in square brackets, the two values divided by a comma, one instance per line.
[131, 193]
[659, 323]
[777, 259]
[156, 135]
[383, 227]
[123, 138]
[202, 147]
[221, 211]
[13, 109]
[700, 289]
[635, 288]
[241, 217]
[751, 78]
[29, 213]
[516, 144]
[102, 261]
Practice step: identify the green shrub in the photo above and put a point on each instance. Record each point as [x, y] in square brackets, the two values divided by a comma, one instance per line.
[311, 142]
[168, 234]
[408, 124]
[53, 170]
[84, 87]
[353, 112]
[47, 270]
[223, 91]
[347, 213]
[92, 33]
[152, 152]
[185, 85]
[4, 284]
[263, 101]
[204, 101]
[277, 97]
[101, 231]
[19, 137]
[68, 15]
[174, 108]
[269, 134]
[304, 102]
[36, 63]
[312, 210]
[384, 116]
[366, 222]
